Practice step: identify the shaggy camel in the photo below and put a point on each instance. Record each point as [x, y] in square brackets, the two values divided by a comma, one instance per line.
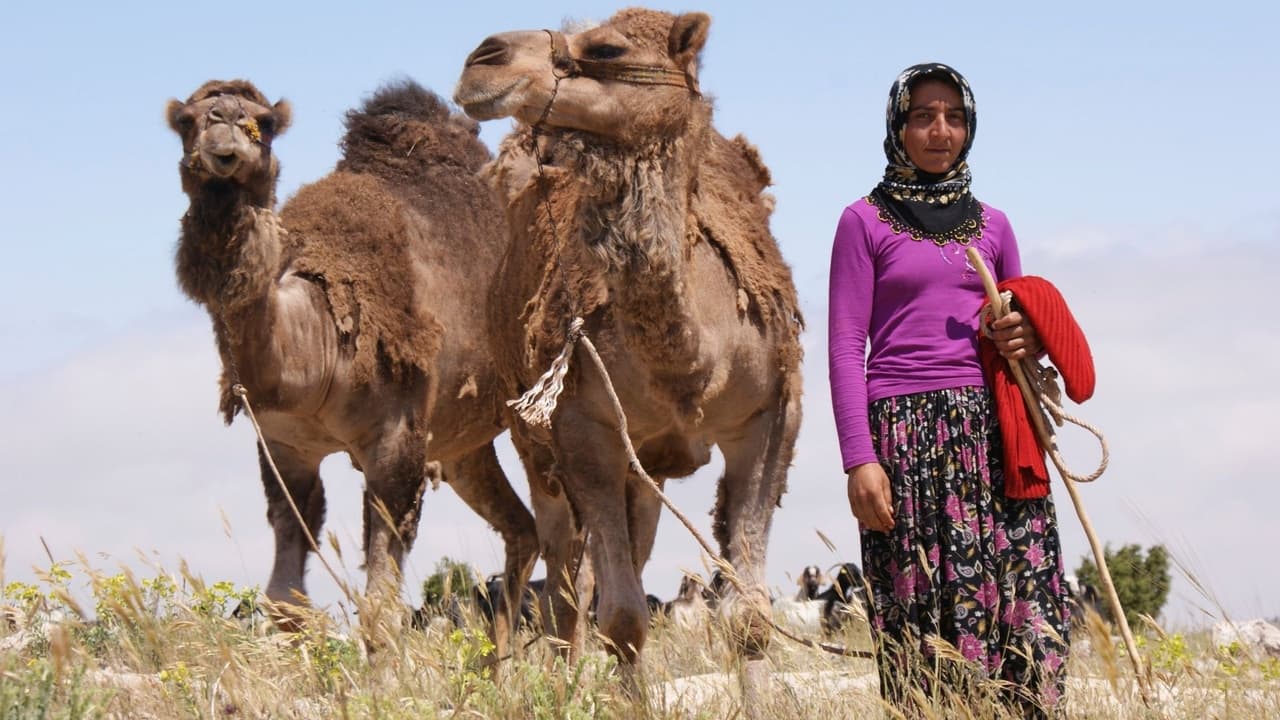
[354, 319]
[627, 209]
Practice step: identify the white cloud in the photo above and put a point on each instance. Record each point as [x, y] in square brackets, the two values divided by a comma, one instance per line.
[1078, 242]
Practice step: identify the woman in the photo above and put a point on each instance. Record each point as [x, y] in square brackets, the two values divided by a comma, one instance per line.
[947, 555]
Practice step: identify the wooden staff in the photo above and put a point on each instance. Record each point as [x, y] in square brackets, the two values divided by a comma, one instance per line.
[1047, 441]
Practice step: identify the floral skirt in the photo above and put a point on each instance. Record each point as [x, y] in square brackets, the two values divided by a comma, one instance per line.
[963, 563]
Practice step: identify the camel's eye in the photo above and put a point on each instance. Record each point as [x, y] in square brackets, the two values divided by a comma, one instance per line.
[605, 51]
[267, 124]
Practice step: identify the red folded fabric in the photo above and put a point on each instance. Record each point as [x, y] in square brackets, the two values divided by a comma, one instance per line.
[1025, 473]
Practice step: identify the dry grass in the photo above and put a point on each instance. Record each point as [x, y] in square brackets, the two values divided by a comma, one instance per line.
[163, 647]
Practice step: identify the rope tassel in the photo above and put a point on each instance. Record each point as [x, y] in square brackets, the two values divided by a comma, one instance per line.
[538, 403]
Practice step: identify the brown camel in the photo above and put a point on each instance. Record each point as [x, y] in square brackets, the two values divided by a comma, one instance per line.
[354, 319]
[627, 209]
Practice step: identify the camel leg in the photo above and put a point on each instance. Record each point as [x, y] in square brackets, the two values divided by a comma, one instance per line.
[594, 471]
[665, 457]
[584, 587]
[754, 479]
[478, 479]
[395, 479]
[301, 475]
[644, 509]
[560, 541]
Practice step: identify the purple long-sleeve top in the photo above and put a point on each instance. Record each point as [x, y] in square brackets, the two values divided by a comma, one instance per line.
[917, 304]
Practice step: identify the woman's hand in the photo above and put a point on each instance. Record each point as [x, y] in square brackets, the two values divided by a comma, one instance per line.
[869, 497]
[1014, 337]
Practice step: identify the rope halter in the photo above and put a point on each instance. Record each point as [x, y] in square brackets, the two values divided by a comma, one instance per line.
[565, 65]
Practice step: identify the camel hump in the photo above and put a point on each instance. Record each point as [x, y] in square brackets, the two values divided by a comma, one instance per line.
[343, 213]
[404, 129]
[733, 214]
[744, 149]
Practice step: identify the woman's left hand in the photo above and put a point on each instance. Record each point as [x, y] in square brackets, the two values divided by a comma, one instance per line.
[1014, 337]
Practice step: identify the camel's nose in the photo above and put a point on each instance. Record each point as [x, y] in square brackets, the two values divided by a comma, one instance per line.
[226, 110]
[493, 51]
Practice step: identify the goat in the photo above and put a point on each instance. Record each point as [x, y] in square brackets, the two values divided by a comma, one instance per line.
[838, 601]
[690, 606]
[810, 581]
[483, 599]
[1082, 599]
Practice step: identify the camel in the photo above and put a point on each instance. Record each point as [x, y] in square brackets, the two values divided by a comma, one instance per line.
[626, 208]
[354, 319]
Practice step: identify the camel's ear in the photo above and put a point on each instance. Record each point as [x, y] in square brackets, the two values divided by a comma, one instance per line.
[180, 120]
[688, 35]
[281, 117]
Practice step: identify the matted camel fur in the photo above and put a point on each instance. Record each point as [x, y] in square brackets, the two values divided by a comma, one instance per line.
[383, 315]
[593, 212]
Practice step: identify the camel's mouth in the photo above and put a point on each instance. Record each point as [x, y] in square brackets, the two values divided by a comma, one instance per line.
[220, 162]
[487, 103]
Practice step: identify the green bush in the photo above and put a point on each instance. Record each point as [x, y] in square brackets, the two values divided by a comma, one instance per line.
[1141, 579]
[450, 578]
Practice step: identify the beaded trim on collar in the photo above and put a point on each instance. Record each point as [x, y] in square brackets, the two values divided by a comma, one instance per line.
[963, 234]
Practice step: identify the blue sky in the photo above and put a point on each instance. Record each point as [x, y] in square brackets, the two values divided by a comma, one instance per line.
[1132, 145]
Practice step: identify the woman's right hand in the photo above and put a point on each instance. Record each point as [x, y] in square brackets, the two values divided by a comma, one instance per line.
[869, 497]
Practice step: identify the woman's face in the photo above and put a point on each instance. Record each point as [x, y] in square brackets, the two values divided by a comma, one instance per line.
[936, 130]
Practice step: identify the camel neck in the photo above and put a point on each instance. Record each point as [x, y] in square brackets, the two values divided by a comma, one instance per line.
[229, 250]
[634, 207]
[609, 226]
[228, 260]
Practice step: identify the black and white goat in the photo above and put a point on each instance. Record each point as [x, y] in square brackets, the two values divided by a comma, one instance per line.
[482, 599]
[804, 611]
[846, 598]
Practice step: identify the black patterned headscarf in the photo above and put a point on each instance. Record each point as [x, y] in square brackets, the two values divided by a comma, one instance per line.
[927, 206]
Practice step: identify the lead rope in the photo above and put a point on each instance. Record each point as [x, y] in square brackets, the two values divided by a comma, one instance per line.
[1034, 398]
[240, 392]
[537, 403]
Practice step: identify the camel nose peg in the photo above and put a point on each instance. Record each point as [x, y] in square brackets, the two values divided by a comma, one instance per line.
[493, 51]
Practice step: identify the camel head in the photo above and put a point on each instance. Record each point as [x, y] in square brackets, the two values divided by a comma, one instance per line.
[631, 79]
[227, 128]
